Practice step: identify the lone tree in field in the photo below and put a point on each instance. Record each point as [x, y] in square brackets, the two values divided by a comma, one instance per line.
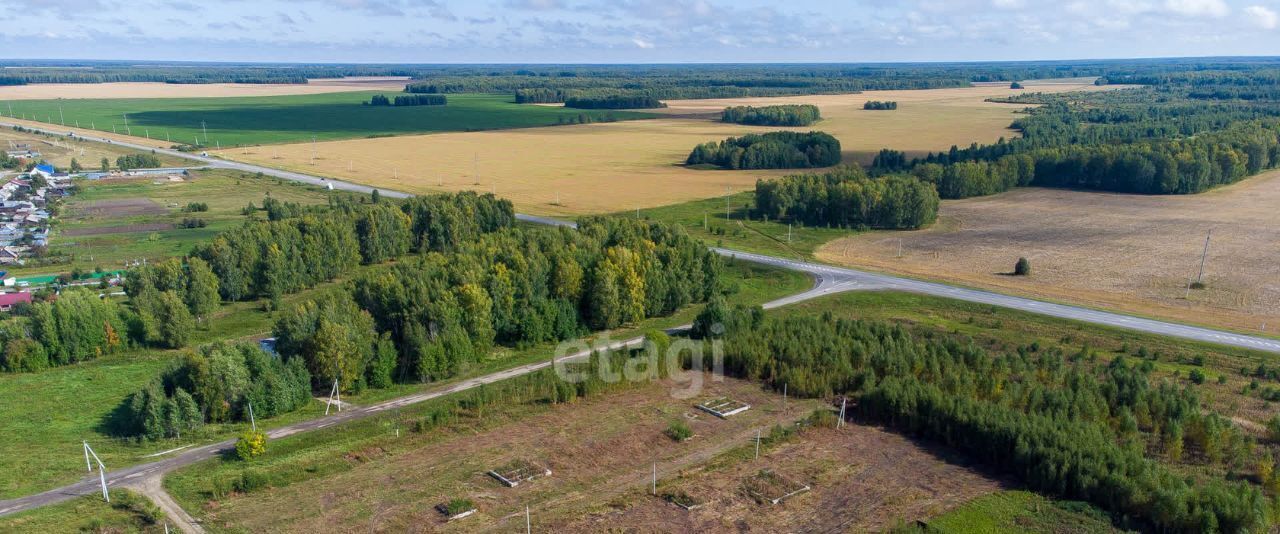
[1015, 85]
[1022, 268]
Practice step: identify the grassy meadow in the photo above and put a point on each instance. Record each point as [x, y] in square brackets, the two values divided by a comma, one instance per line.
[236, 121]
[108, 223]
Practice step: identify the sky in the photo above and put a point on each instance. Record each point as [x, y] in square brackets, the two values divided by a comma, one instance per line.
[633, 31]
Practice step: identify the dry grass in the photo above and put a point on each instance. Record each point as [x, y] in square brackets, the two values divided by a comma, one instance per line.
[601, 453]
[1132, 253]
[862, 479]
[171, 90]
[597, 449]
[636, 164]
[88, 154]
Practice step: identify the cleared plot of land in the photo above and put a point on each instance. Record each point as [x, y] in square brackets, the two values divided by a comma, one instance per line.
[601, 168]
[861, 479]
[597, 449]
[1133, 253]
[60, 150]
[249, 120]
[178, 90]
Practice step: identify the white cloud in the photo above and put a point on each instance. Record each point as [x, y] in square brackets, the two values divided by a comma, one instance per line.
[1198, 8]
[642, 43]
[1262, 17]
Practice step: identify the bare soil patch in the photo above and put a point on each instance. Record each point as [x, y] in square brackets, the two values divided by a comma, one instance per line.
[122, 207]
[126, 229]
[1131, 252]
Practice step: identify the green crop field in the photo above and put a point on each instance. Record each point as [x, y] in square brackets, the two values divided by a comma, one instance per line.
[235, 121]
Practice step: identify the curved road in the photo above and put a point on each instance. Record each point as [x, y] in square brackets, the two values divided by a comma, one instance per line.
[828, 280]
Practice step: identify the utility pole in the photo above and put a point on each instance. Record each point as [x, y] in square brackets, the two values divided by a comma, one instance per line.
[205, 128]
[726, 203]
[102, 469]
[475, 167]
[655, 478]
[788, 232]
[843, 401]
[61, 118]
[252, 420]
[757, 444]
[528, 526]
[1203, 256]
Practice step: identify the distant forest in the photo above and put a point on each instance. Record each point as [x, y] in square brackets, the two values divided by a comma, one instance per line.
[1185, 133]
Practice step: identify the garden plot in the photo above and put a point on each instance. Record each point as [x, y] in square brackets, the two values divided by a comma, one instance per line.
[723, 407]
[768, 486]
[517, 471]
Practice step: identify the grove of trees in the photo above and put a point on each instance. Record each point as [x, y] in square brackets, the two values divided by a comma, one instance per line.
[428, 317]
[214, 384]
[137, 161]
[877, 105]
[847, 198]
[773, 150]
[783, 115]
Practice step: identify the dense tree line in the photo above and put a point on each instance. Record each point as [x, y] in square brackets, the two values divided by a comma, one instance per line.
[428, 317]
[75, 327]
[300, 247]
[877, 105]
[165, 301]
[784, 115]
[421, 100]
[773, 150]
[215, 384]
[847, 198]
[409, 100]
[1064, 423]
[137, 161]
[1152, 140]
[615, 101]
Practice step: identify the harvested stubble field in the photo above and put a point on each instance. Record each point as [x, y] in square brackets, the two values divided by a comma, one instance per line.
[599, 450]
[179, 90]
[609, 167]
[1129, 252]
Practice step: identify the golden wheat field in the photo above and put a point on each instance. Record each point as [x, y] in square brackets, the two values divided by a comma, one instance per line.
[1129, 252]
[611, 167]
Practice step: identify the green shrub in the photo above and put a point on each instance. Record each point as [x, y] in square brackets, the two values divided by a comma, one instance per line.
[251, 445]
[679, 431]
